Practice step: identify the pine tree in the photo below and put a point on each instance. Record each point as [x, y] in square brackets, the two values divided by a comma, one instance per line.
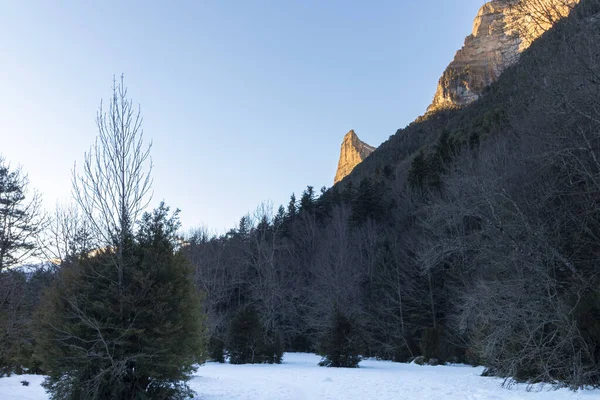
[102, 341]
[216, 349]
[292, 208]
[279, 218]
[249, 343]
[244, 339]
[21, 221]
[341, 345]
[307, 201]
[273, 347]
[21, 218]
[419, 170]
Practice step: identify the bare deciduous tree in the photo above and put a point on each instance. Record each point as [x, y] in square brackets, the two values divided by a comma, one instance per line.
[67, 235]
[113, 188]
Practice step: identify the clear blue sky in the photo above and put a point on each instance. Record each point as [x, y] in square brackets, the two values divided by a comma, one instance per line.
[244, 100]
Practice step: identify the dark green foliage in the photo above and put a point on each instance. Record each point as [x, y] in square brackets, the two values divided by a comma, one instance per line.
[244, 227]
[279, 218]
[273, 348]
[19, 297]
[292, 208]
[474, 141]
[245, 338]
[430, 343]
[369, 202]
[419, 170]
[249, 343]
[427, 168]
[308, 199]
[216, 349]
[100, 340]
[342, 343]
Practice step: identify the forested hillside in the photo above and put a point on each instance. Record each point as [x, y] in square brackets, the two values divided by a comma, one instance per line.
[471, 235]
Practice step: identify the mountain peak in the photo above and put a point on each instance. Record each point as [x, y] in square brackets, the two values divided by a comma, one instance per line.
[502, 30]
[353, 151]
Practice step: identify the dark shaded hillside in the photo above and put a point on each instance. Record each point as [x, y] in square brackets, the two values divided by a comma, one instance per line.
[471, 235]
[509, 96]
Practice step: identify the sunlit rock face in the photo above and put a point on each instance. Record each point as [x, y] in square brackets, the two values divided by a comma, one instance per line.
[502, 30]
[352, 153]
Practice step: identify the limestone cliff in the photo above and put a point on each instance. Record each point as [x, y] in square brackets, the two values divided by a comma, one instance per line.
[501, 31]
[352, 153]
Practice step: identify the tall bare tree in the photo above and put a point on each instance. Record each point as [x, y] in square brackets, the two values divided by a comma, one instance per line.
[114, 186]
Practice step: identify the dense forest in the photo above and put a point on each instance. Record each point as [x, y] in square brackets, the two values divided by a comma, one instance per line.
[472, 236]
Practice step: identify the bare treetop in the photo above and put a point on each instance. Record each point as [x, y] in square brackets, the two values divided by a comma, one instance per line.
[114, 186]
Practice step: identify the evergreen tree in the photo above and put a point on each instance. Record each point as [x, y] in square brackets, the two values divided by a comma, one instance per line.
[244, 227]
[474, 141]
[307, 201]
[368, 202]
[216, 349]
[102, 341]
[348, 192]
[445, 147]
[279, 218]
[419, 170]
[292, 208]
[244, 341]
[273, 347]
[249, 343]
[341, 345]
[21, 219]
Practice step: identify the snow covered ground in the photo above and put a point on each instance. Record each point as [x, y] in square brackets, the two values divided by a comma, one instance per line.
[299, 377]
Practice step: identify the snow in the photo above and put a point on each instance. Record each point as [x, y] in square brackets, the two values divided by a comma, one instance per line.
[12, 389]
[299, 377]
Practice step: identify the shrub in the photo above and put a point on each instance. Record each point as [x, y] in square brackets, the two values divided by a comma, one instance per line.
[216, 349]
[244, 338]
[430, 342]
[273, 348]
[249, 343]
[341, 345]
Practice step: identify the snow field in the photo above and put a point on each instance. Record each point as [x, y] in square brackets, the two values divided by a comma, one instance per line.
[300, 378]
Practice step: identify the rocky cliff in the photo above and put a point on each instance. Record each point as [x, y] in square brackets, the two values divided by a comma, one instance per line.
[352, 152]
[501, 31]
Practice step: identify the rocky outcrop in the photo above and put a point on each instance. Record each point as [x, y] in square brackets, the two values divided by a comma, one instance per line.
[501, 31]
[352, 153]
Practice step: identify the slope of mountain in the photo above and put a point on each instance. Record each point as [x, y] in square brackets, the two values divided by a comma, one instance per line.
[502, 30]
[353, 151]
[454, 109]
